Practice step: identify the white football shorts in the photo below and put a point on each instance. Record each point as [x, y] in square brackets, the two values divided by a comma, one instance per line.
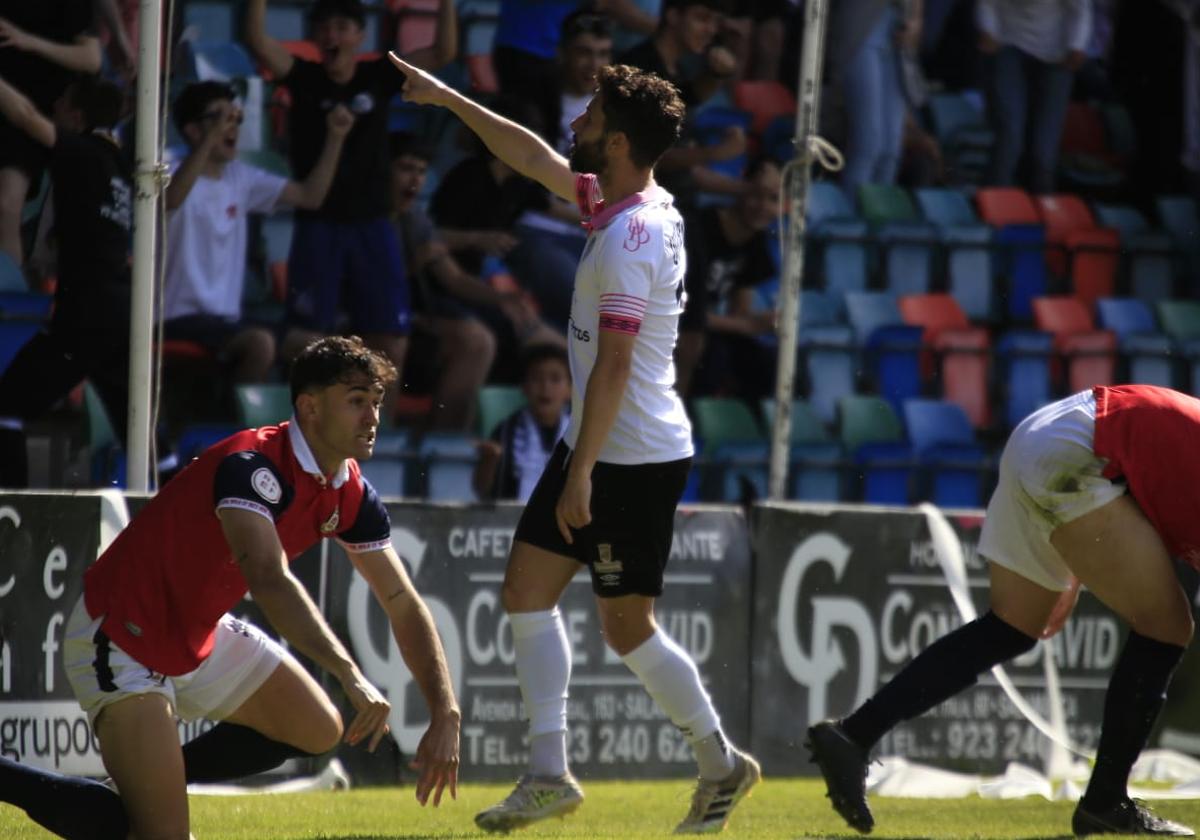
[1049, 475]
[101, 673]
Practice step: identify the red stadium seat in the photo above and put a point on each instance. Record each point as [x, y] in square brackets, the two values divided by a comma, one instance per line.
[1088, 254]
[765, 100]
[964, 351]
[416, 24]
[1090, 353]
[1000, 206]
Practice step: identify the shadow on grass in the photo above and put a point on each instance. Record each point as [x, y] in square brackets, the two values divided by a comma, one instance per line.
[911, 837]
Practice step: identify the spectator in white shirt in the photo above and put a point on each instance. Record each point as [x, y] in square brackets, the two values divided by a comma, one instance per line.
[209, 196]
[1035, 47]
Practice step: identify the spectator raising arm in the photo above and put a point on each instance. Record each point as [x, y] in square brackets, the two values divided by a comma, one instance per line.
[269, 52]
[82, 54]
[310, 193]
[185, 176]
[514, 144]
[18, 110]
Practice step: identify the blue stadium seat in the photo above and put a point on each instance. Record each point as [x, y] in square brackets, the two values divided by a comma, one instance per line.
[1180, 217]
[742, 469]
[386, 474]
[217, 59]
[1023, 365]
[197, 437]
[11, 278]
[1144, 349]
[1022, 262]
[945, 445]
[906, 242]
[891, 348]
[26, 305]
[962, 132]
[213, 21]
[449, 462]
[815, 458]
[1149, 253]
[830, 366]
[13, 336]
[967, 243]
[839, 239]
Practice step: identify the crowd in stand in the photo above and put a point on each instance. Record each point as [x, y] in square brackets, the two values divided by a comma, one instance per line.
[461, 270]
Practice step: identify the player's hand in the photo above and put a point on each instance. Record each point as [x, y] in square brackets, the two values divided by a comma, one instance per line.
[1062, 610]
[419, 87]
[339, 121]
[14, 36]
[437, 759]
[574, 508]
[371, 711]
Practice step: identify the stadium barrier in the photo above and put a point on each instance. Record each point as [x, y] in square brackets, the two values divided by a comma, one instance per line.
[795, 616]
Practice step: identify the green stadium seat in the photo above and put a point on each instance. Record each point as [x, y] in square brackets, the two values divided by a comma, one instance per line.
[263, 405]
[495, 403]
[722, 420]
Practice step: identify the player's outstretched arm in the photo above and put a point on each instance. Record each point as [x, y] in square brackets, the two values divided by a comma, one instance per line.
[417, 637]
[286, 604]
[23, 114]
[514, 144]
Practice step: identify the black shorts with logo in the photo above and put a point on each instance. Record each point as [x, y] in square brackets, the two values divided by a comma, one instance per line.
[628, 541]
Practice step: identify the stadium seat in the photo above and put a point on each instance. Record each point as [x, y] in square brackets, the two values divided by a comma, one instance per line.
[1086, 160]
[905, 240]
[967, 243]
[1078, 248]
[839, 238]
[1149, 253]
[962, 352]
[14, 335]
[1145, 350]
[709, 126]
[1023, 364]
[197, 437]
[829, 364]
[945, 447]
[765, 101]
[287, 22]
[416, 24]
[963, 134]
[494, 404]
[212, 21]
[1180, 319]
[731, 445]
[11, 278]
[222, 60]
[32, 306]
[1180, 217]
[1020, 240]
[890, 347]
[872, 434]
[104, 447]
[815, 458]
[263, 404]
[1089, 353]
[449, 466]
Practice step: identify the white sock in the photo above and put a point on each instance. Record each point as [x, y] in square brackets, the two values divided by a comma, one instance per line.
[670, 676]
[543, 659]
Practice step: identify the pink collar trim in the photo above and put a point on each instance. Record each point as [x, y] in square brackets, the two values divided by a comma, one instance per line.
[605, 214]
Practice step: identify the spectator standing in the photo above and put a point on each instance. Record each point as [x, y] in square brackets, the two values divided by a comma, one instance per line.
[210, 193]
[1035, 48]
[348, 242]
[514, 457]
[41, 44]
[88, 334]
[863, 53]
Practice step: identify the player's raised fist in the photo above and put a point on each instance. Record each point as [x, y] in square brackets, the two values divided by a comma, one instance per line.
[420, 87]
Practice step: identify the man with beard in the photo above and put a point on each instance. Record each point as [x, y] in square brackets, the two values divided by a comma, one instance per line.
[608, 494]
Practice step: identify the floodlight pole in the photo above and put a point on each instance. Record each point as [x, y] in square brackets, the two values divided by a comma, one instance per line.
[147, 186]
[811, 58]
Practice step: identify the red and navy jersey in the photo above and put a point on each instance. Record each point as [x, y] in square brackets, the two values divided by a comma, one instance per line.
[170, 575]
[1150, 436]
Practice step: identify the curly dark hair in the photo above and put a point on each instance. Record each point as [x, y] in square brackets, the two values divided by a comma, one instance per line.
[333, 359]
[644, 107]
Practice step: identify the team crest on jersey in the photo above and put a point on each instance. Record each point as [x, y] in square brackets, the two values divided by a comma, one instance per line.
[266, 485]
[330, 524]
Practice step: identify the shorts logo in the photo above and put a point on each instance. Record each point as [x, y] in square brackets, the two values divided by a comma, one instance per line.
[606, 568]
[266, 485]
[330, 524]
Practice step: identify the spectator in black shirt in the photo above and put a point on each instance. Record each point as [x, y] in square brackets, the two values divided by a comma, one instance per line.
[88, 335]
[688, 30]
[728, 257]
[349, 242]
[41, 43]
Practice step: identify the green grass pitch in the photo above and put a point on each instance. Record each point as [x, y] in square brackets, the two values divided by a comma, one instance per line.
[779, 808]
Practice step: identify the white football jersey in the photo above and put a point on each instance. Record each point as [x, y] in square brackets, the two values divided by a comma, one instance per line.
[630, 279]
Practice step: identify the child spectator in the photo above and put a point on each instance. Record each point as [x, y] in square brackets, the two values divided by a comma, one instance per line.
[512, 459]
[210, 193]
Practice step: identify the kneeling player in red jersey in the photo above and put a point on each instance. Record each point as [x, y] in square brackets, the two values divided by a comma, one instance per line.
[151, 638]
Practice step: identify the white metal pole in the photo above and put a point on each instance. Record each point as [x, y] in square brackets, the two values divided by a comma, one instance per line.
[811, 59]
[147, 186]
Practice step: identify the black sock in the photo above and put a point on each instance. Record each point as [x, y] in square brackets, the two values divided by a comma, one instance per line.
[231, 751]
[1136, 692]
[943, 669]
[69, 806]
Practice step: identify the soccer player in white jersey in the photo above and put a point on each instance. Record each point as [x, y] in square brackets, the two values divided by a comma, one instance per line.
[607, 497]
